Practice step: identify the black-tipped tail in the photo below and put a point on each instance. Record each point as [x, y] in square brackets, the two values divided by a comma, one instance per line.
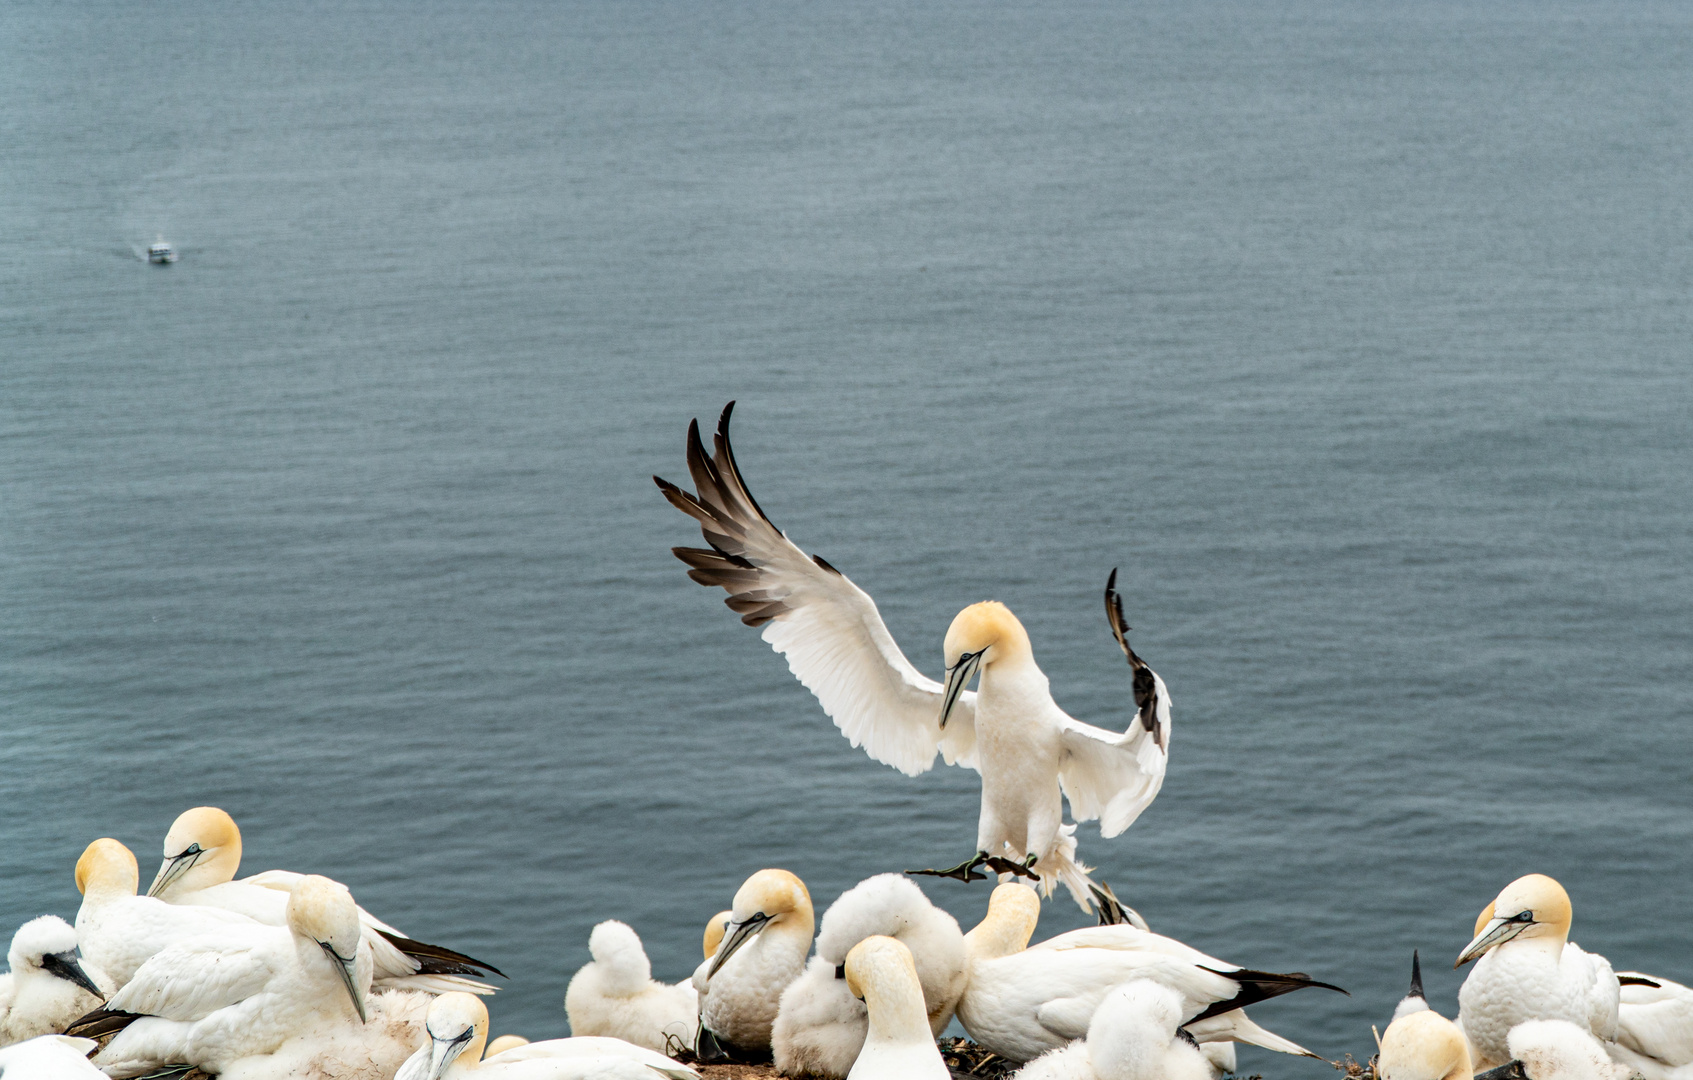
[1416, 978]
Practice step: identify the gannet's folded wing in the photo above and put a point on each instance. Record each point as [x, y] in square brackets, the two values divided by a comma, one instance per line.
[828, 628]
[1656, 1018]
[191, 979]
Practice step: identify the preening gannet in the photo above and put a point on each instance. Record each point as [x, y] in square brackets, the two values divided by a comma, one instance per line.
[1527, 969]
[202, 853]
[342, 1047]
[1027, 749]
[898, 1044]
[614, 995]
[820, 1026]
[1555, 1050]
[50, 1057]
[457, 1026]
[1135, 1034]
[117, 930]
[47, 986]
[1423, 1045]
[1021, 1002]
[1655, 1027]
[740, 986]
[242, 991]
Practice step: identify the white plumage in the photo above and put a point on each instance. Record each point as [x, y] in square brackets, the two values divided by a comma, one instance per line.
[1655, 1027]
[1026, 748]
[49, 1057]
[1561, 1050]
[615, 995]
[343, 1048]
[898, 1044]
[47, 986]
[820, 1026]
[456, 1030]
[1421, 1044]
[1131, 1036]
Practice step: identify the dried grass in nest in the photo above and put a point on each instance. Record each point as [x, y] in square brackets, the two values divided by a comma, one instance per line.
[1355, 1071]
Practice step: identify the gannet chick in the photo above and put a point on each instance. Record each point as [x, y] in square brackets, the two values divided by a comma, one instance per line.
[1031, 754]
[1133, 1035]
[1555, 1050]
[763, 951]
[819, 1025]
[245, 990]
[502, 1044]
[1529, 970]
[1655, 1027]
[457, 1026]
[1022, 1002]
[898, 1044]
[614, 995]
[50, 1057]
[1423, 1045]
[341, 1047]
[48, 986]
[202, 853]
[116, 930]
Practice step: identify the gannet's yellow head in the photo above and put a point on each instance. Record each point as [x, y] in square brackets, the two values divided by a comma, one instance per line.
[202, 849]
[881, 973]
[714, 931]
[502, 1044]
[980, 636]
[107, 868]
[1531, 907]
[1424, 1046]
[323, 911]
[1013, 914]
[455, 1028]
[768, 898]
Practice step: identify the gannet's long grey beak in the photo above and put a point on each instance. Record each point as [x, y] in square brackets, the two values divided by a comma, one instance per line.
[67, 966]
[444, 1051]
[346, 966]
[1511, 1070]
[1497, 932]
[958, 676]
[739, 934]
[173, 868]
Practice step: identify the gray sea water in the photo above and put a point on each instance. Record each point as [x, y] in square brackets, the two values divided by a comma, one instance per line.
[1357, 334]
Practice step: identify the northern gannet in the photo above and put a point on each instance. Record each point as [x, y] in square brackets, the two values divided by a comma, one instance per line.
[457, 1027]
[1414, 1000]
[1423, 1045]
[1655, 1027]
[342, 1047]
[1555, 1050]
[820, 1026]
[117, 930]
[244, 990]
[1027, 749]
[50, 1057]
[763, 950]
[1135, 1034]
[1527, 969]
[615, 995]
[47, 986]
[898, 1044]
[202, 853]
[1021, 1002]
[503, 1043]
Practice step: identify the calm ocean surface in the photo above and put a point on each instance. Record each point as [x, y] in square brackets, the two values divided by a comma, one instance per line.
[1358, 335]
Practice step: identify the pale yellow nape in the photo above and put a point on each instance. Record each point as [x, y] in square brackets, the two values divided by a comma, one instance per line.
[714, 931]
[211, 828]
[107, 866]
[773, 892]
[1483, 919]
[987, 625]
[1424, 1046]
[1541, 895]
[504, 1043]
[1013, 914]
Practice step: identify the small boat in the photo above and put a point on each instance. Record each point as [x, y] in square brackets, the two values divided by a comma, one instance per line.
[161, 253]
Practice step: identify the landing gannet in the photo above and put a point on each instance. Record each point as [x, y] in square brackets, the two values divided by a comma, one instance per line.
[820, 1026]
[1021, 1002]
[457, 1026]
[47, 986]
[1555, 1050]
[117, 930]
[1529, 970]
[741, 985]
[50, 1057]
[245, 990]
[1655, 1027]
[898, 1044]
[1026, 748]
[202, 853]
[614, 995]
[1135, 1034]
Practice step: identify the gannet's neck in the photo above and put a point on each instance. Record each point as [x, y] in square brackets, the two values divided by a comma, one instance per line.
[1013, 913]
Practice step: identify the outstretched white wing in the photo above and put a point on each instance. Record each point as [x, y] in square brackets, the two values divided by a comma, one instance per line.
[828, 628]
[1114, 776]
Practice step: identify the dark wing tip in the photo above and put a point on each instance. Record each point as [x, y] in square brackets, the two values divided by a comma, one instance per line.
[723, 420]
[98, 1023]
[1636, 980]
[439, 960]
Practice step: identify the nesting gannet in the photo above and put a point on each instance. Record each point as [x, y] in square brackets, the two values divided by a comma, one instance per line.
[715, 928]
[820, 1026]
[614, 995]
[1423, 1045]
[244, 990]
[1555, 1050]
[898, 1044]
[117, 930]
[342, 1047]
[762, 951]
[50, 1057]
[202, 853]
[1027, 749]
[1135, 1034]
[457, 1026]
[1529, 970]
[1654, 1027]
[503, 1043]
[1021, 1002]
[47, 986]
[1414, 1000]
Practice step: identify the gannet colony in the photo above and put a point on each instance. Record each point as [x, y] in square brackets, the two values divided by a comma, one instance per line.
[284, 975]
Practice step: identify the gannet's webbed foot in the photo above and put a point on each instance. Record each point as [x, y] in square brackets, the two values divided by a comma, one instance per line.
[1006, 866]
[964, 871]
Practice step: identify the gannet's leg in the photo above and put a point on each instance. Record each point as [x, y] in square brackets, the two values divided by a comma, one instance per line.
[964, 871]
[1006, 866]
